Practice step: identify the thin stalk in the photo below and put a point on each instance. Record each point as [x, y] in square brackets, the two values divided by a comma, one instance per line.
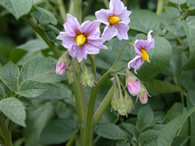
[106, 3]
[160, 5]
[43, 36]
[117, 59]
[6, 133]
[93, 65]
[87, 9]
[103, 106]
[71, 141]
[75, 9]
[62, 9]
[81, 107]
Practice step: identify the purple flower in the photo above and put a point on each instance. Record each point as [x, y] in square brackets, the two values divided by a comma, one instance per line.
[60, 68]
[81, 40]
[116, 20]
[143, 98]
[133, 87]
[141, 46]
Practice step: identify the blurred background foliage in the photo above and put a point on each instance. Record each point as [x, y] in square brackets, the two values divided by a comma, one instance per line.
[172, 91]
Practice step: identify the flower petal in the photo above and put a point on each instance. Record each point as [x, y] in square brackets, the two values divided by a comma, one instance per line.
[78, 52]
[136, 63]
[72, 25]
[91, 29]
[67, 40]
[97, 43]
[102, 15]
[122, 32]
[124, 16]
[116, 6]
[109, 32]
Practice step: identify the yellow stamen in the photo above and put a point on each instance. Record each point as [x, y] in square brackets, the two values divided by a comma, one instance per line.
[145, 55]
[80, 39]
[114, 19]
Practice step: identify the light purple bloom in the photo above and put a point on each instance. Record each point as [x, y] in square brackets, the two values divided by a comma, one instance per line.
[83, 39]
[133, 87]
[143, 97]
[141, 46]
[60, 68]
[116, 20]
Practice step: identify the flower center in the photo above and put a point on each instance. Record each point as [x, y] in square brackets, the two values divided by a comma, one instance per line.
[114, 19]
[145, 55]
[80, 40]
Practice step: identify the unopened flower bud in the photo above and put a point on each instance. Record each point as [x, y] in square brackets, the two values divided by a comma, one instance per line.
[60, 68]
[143, 95]
[115, 98]
[129, 102]
[70, 75]
[62, 63]
[122, 108]
[133, 84]
[87, 78]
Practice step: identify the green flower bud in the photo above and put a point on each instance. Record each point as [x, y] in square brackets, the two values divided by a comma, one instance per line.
[129, 102]
[87, 78]
[122, 108]
[115, 98]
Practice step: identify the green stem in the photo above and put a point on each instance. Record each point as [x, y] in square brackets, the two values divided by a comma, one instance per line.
[93, 65]
[103, 106]
[117, 59]
[6, 133]
[42, 35]
[62, 9]
[88, 8]
[71, 141]
[81, 107]
[106, 3]
[75, 8]
[160, 5]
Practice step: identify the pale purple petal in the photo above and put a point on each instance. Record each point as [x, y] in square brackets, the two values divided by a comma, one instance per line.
[116, 6]
[91, 29]
[91, 49]
[103, 15]
[133, 87]
[136, 63]
[60, 68]
[141, 44]
[143, 98]
[151, 42]
[72, 25]
[109, 32]
[122, 32]
[124, 16]
[68, 40]
[78, 52]
[97, 43]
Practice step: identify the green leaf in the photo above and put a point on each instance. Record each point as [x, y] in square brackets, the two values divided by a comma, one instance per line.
[189, 27]
[144, 21]
[180, 140]
[9, 74]
[190, 104]
[168, 132]
[191, 4]
[14, 110]
[44, 16]
[111, 131]
[178, 2]
[2, 93]
[58, 131]
[157, 86]
[148, 137]
[40, 69]
[17, 8]
[145, 118]
[31, 88]
[173, 112]
[130, 128]
[159, 56]
[172, 11]
[33, 45]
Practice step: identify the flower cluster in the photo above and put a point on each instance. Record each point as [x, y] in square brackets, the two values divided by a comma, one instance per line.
[86, 39]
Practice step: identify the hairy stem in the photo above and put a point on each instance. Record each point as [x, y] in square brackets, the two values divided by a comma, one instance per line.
[103, 106]
[42, 35]
[160, 5]
[75, 9]
[93, 65]
[62, 9]
[71, 141]
[81, 107]
[6, 133]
